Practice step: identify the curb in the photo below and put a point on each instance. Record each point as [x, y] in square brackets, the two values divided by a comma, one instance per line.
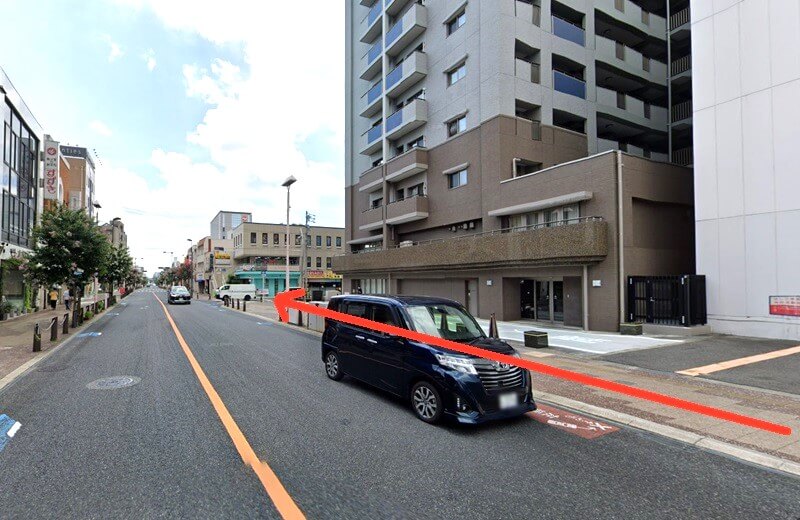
[702, 441]
[276, 322]
[23, 369]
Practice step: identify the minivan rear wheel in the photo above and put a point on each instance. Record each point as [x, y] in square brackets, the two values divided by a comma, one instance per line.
[426, 402]
[332, 367]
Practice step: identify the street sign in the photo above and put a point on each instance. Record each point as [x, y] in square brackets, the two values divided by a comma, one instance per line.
[573, 423]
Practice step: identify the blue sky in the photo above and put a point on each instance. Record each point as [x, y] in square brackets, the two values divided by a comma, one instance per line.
[175, 99]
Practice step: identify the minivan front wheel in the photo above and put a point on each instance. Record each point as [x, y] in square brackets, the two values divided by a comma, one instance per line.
[332, 367]
[426, 402]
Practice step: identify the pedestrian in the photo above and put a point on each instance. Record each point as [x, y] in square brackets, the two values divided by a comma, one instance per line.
[67, 299]
[53, 296]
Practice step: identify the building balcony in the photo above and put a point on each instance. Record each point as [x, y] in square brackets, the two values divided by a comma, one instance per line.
[684, 156]
[372, 61]
[371, 140]
[528, 11]
[629, 61]
[583, 242]
[395, 6]
[373, 21]
[569, 31]
[569, 84]
[527, 71]
[405, 165]
[407, 210]
[628, 108]
[628, 14]
[679, 19]
[372, 100]
[412, 70]
[370, 219]
[406, 29]
[370, 179]
[408, 118]
[681, 65]
[682, 114]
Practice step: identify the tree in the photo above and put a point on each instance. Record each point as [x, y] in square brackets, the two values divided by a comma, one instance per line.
[117, 266]
[68, 248]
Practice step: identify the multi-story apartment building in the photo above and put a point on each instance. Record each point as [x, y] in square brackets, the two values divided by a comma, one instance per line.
[226, 221]
[746, 108]
[466, 120]
[679, 54]
[79, 183]
[212, 263]
[115, 232]
[259, 254]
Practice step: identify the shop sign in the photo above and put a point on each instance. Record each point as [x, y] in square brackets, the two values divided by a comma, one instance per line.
[222, 258]
[784, 305]
[51, 170]
[326, 274]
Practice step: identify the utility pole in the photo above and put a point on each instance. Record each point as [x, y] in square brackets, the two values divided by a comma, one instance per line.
[303, 265]
[287, 184]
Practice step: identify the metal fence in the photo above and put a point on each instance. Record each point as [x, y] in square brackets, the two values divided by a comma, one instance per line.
[667, 300]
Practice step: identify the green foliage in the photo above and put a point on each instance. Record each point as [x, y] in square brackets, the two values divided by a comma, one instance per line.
[64, 241]
[6, 308]
[116, 267]
[101, 306]
[88, 315]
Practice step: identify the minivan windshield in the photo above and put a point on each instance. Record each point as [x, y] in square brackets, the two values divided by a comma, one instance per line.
[445, 321]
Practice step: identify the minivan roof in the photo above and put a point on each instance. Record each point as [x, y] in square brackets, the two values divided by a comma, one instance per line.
[401, 299]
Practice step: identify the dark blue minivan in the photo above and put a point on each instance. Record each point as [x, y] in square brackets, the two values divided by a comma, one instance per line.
[436, 381]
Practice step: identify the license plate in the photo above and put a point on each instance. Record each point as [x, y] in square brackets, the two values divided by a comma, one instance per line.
[508, 401]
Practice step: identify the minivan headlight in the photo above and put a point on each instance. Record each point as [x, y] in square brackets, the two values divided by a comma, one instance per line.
[460, 364]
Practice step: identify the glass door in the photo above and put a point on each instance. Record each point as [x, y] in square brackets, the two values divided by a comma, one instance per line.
[543, 301]
[558, 301]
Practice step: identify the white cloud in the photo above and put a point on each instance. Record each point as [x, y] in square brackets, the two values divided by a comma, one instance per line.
[149, 57]
[100, 127]
[114, 50]
[289, 85]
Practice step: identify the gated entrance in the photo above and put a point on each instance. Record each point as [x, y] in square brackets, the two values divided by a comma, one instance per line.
[667, 300]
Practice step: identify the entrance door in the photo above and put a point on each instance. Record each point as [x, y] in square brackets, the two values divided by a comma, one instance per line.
[558, 301]
[543, 301]
[527, 300]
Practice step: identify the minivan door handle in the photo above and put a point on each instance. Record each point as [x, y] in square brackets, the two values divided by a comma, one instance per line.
[359, 337]
[372, 341]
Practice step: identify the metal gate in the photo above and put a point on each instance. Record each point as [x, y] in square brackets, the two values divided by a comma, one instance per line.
[667, 300]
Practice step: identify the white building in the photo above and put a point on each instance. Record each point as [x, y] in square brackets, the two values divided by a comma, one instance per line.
[746, 109]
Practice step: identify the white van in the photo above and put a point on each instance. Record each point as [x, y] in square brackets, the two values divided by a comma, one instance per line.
[241, 291]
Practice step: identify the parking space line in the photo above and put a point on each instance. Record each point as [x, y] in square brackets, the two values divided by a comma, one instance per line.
[733, 363]
[283, 502]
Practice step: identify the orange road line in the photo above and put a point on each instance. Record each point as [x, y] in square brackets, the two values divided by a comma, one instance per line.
[280, 497]
[733, 363]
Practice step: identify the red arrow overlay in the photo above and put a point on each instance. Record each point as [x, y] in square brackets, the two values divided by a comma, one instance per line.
[286, 300]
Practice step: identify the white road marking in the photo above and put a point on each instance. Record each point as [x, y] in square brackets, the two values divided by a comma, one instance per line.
[13, 430]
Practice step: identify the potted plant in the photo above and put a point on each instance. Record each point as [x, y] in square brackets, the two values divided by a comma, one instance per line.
[88, 315]
[5, 310]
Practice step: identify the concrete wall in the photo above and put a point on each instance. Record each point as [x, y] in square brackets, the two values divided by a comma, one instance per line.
[746, 86]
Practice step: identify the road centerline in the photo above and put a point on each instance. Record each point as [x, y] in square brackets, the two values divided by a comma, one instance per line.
[283, 502]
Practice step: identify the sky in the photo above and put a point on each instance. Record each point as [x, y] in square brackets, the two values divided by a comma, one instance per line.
[192, 107]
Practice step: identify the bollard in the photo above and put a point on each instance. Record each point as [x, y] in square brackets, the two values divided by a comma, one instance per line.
[54, 329]
[37, 339]
[244, 306]
[237, 303]
[65, 330]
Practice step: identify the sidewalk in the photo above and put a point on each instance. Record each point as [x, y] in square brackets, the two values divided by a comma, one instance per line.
[16, 335]
[773, 406]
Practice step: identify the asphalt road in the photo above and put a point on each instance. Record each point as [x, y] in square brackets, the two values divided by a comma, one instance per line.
[341, 450]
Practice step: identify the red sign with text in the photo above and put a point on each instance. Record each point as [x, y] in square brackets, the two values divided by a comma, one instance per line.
[570, 422]
[784, 305]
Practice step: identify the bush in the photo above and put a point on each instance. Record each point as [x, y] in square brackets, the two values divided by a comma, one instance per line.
[88, 315]
[101, 306]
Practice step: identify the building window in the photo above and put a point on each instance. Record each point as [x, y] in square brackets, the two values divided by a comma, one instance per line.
[328, 241]
[459, 178]
[265, 239]
[319, 261]
[647, 110]
[328, 262]
[298, 240]
[308, 261]
[524, 167]
[319, 242]
[400, 195]
[457, 22]
[252, 238]
[456, 126]
[455, 75]
[338, 241]
[376, 203]
[276, 239]
[416, 190]
[308, 240]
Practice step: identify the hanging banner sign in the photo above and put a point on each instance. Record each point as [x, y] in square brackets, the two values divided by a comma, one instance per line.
[51, 174]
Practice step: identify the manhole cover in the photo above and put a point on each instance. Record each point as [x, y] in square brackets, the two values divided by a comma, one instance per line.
[112, 383]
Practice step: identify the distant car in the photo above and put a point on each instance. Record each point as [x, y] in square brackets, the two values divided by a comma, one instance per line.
[438, 382]
[179, 294]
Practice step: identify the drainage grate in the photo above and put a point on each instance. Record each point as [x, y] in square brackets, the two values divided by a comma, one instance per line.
[114, 382]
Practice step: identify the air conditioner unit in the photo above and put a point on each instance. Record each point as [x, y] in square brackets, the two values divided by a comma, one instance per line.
[406, 243]
[472, 225]
[465, 225]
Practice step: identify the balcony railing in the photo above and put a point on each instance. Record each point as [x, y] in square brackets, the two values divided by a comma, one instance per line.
[375, 92]
[684, 156]
[371, 218]
[373, 26]
[406, 29]
[569, 31]
[578, 241]
[530, 129]
[681, 111]
[679, 18]
[373, 61]
[681, 65]
[371, 139]
[569, 85]
[413, 69]
[409, 209]
[410, 117]
[527, 70]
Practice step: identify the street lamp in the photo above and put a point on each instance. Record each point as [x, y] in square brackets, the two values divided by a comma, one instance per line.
[288, 184]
